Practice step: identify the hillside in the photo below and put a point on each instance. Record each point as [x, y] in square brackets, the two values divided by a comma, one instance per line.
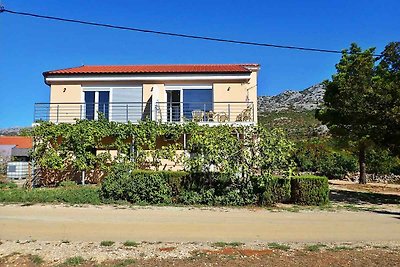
[307, 99]
[294, 112]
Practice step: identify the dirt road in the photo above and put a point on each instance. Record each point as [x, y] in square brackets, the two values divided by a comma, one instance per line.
[181, 224]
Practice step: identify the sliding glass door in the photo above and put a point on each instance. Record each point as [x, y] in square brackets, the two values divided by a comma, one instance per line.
[96, 102]
[197, 100]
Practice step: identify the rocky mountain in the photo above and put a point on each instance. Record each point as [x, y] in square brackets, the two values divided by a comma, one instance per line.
[307, 99]
[12, 130]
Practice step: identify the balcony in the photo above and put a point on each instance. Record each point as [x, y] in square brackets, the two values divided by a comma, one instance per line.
[166, 112]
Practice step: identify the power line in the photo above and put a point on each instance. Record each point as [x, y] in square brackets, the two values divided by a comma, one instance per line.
[189, 36]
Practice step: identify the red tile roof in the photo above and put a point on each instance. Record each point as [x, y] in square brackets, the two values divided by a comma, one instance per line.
[18, 141]
[188, 68]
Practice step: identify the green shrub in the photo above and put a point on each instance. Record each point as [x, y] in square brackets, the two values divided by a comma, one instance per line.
[148, 187]
[272, 189]
[106, 243]
[337, 164]
[380, 161]
[130, 243]
[76, 195]
[319, 158]
[309, 190]
[73, 261]
[190, 198]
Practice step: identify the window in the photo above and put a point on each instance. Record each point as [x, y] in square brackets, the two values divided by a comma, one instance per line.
[197, 99]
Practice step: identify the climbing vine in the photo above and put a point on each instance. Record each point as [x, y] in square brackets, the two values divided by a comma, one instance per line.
[88, 144]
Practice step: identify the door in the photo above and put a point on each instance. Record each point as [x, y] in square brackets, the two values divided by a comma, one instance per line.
[104, 102]
[173, 105]
[197, 100]
[89, 105]
[96, 102]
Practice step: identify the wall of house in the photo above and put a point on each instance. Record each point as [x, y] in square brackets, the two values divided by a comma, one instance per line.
[224, 91]
[65, 93]
[236, 92]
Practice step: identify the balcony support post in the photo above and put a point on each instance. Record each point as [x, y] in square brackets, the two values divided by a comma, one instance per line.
[229, 111]
[204, 114]
[58, 112]
[127, 113]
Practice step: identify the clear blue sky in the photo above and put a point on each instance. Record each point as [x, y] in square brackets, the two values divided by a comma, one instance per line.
[29, 46]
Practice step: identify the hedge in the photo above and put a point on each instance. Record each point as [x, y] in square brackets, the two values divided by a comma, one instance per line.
[70, 195]
[165, 187]
[309, 190]
[144, 187]
[272, 189]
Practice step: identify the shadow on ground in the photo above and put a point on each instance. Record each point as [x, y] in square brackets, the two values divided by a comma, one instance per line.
[360, 198]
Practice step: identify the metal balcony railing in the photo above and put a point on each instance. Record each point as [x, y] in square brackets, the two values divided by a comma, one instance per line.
[210, 112]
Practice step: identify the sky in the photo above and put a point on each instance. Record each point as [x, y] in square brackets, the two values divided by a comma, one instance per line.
[30, 46]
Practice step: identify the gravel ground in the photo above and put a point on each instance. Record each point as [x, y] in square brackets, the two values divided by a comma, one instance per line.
[54, 253]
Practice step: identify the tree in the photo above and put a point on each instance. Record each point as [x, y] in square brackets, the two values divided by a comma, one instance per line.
[387, 96]
[349, 110]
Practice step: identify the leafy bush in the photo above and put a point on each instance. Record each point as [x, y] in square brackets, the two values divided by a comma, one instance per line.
[309, 190]
[272, 189]
[190, 198]
[76, 195]
[150, 187]
[106, 243]
[380, 161]
[318, 158]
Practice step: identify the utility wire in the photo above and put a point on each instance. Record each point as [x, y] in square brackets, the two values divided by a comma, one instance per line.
[189, 36]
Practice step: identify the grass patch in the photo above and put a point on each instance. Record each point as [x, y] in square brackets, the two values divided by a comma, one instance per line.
[7, 185]
[227, 244]
[106, 243]
[340, 248]
[129, 243]
[124, 263]
[314, 247]
[381, 247]
[275, 245]
[36, 259]
[73, 261]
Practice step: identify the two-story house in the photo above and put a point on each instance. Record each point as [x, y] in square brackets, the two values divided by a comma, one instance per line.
[205, 93]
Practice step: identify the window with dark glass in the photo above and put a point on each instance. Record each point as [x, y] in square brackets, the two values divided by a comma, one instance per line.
[197, 99]
[89, 105]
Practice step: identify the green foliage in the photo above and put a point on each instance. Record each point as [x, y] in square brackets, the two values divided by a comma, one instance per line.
[221, 244]
[298, 125]
[7, 185]
[74, 261]
[137, 187]
[319, 158]
[362, 103]
[387, 97]
[380, 161]
[275, 245]
[309, 190]
[76, 195]
[272, 189]
[129, 243]
[190, 198]
[226, 149]
[67, 184]
[106, 243]
[36, 259]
